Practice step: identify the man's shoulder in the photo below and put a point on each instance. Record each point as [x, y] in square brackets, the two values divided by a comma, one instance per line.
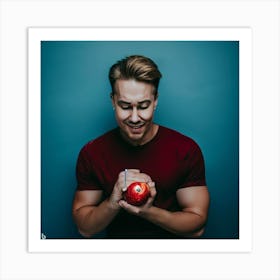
[178, 141]
[175, 135]
[101, 141]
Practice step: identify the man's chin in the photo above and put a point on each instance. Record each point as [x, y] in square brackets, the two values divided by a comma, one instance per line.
[134, 138]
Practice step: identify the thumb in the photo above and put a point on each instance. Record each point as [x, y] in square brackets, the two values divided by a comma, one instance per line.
[152, 189]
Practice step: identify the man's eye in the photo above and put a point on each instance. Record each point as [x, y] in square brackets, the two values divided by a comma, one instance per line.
[125, 107]
[144, 106]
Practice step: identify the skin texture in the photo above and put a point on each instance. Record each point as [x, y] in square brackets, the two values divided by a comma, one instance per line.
[134, 104]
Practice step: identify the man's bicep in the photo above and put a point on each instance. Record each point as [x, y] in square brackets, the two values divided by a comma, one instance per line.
[194, 199]
[87, 198]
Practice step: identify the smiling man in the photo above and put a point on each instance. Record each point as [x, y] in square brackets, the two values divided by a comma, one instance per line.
[135, 104]
[139, 150]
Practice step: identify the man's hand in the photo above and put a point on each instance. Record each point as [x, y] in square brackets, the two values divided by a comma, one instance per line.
[139, 210]
[188, 222]
[125, 178]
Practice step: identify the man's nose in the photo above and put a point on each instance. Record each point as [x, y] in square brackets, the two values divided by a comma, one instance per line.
[134, 115]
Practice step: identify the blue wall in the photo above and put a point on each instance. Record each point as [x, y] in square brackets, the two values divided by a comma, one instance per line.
[199, 96]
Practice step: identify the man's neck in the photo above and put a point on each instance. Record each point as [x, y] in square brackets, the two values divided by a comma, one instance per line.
[150, 136]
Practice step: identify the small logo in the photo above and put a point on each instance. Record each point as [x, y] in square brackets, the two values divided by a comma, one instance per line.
[43, 236]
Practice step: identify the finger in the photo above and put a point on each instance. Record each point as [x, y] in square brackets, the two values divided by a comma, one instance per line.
[129, 175]
[125, 178]
[134, 170]
[148, 179]
[128, 171]
[153, 190]
[128, 207]
[137, 178]
[151, 184]
[140, 177]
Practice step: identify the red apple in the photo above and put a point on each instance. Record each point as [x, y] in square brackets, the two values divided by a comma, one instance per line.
[137, 193]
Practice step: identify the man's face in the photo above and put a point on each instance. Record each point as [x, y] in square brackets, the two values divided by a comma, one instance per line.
[134, 104]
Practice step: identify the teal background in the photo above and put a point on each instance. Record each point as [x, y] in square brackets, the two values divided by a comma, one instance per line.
[199, 96]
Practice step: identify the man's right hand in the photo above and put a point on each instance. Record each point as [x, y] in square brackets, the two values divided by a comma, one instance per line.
[124, 180]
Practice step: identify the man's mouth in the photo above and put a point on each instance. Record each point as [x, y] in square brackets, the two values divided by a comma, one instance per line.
[135, 127]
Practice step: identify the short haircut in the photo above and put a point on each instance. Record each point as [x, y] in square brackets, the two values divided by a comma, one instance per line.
[135, 67]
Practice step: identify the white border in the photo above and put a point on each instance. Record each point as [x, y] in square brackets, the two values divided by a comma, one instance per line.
[243, 35]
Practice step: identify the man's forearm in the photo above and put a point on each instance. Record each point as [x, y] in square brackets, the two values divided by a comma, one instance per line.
[93, 219]
[188, 224]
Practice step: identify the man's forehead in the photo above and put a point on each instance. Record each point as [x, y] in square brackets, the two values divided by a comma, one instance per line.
[130, 102]
[133, 97]
[132, 91]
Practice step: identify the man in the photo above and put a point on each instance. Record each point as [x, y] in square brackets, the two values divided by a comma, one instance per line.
[171, 164]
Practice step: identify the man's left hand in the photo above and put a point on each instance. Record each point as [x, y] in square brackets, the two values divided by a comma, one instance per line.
[139, 210]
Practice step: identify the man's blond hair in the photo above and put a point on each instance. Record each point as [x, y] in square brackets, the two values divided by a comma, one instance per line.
[137, 67]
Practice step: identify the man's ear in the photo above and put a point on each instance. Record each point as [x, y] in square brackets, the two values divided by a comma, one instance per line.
[156, 99]
[112, 99]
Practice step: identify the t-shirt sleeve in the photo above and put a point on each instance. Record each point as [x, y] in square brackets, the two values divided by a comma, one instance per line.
[85, 175]
[194, 168]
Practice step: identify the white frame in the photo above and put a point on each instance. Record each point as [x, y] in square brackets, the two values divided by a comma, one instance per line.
[244, 36]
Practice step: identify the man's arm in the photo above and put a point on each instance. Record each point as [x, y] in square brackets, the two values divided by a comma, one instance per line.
[189, 222]
[90, 214]
[93, 215]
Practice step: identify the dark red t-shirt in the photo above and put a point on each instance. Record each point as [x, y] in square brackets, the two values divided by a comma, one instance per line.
[171, 159]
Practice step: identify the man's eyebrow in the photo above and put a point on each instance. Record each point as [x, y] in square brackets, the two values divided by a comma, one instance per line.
[123, 102]
[144, 101]
[128, 103]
